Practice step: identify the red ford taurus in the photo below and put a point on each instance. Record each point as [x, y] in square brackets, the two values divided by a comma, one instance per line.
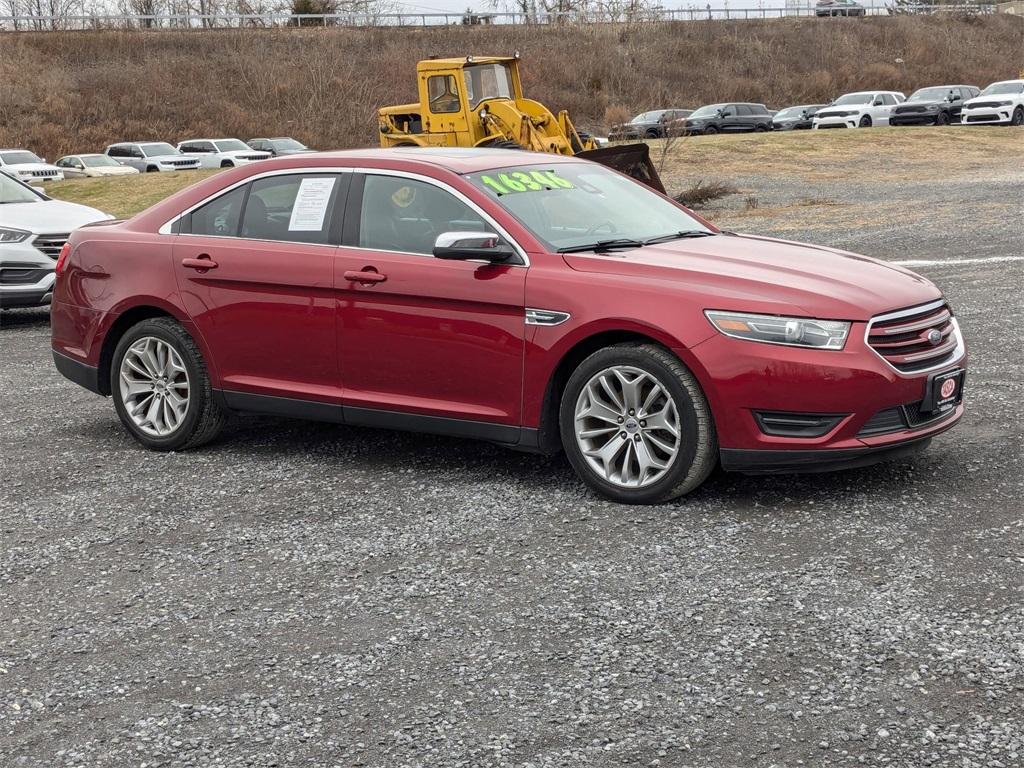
[540, 302]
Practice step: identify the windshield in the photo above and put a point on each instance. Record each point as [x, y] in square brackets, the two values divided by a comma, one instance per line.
[576, 204]
[930, 94]
[1001, 88]
[99, 161]
[231, 145]
[22, 156]
[286, 144]
[790, 112]
[709, 111]
[12, 191]
[854, 98]
[157, 149]
[648, 117]
[488, 81]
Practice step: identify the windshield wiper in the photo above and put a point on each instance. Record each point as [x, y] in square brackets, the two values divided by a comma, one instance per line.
[604, 245]
[678, 236]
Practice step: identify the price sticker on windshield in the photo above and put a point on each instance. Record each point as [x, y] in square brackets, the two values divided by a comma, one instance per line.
[525, 181]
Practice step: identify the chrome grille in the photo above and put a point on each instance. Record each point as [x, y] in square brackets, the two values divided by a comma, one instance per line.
[916, 339]
[50, 244]
[43, 174]
[254, 157]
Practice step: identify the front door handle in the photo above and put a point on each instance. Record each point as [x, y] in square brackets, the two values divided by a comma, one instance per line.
[202, 264]
[365, 277]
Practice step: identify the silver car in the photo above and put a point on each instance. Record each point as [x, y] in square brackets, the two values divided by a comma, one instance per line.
[149, 156]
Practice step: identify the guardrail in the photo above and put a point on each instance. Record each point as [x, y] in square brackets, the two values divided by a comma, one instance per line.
[43, 23]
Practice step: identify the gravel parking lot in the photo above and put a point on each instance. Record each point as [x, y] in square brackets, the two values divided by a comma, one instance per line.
[309, 595]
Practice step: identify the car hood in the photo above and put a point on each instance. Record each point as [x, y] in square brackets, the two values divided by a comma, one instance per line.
[929, 103]
[122, 171]
[48, 216]
[164, 158]
[244, 153]
[766, 275]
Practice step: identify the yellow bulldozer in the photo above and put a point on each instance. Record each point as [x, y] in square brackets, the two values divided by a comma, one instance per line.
[478, 102]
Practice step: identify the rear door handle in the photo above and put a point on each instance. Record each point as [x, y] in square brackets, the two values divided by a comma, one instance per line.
[366, 277]
[201, 264]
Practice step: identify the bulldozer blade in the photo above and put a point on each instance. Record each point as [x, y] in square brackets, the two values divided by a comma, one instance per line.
[634, 160]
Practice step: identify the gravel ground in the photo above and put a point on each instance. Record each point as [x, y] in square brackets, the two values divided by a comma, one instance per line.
[308, 595]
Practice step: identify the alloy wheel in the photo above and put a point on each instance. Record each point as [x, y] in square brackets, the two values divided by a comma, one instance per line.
[627, 426]
[154, 386]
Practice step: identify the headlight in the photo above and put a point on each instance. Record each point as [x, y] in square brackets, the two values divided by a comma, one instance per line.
[8, 235]
[789, 331]
[1005, 103]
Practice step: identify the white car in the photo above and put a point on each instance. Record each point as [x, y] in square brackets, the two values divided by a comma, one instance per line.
[33, 229]
[24, 165]
[92, 166]
[1001, 103]
[863, 109]
[221, 153]
[147, 156]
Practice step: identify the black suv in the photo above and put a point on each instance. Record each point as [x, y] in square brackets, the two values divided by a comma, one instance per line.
[937, 105]
[729, 118]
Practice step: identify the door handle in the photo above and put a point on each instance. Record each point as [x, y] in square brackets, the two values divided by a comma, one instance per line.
[366, 277]
[202, 264]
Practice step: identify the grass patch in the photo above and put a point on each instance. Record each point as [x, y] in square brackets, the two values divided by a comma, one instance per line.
[703, 192]
[124, 196]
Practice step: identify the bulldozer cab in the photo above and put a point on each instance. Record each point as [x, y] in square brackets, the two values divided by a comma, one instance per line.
[451, 90]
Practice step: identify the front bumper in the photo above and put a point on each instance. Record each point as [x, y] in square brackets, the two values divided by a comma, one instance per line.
[26, 276]
[837, 122]
[997, 116]
[789, 409]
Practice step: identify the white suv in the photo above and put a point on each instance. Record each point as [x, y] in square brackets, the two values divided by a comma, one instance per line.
[863, 109]
[24, 165]
[33, 229]
[1001, 103]
[221, 153]
[149, 156]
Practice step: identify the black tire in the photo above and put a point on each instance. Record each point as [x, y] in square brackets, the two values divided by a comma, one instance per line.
[1018, 116]
[151, 168]
[942, 118]
[503, 144]
[227, 164]
[679, 400]
[865, 122]
[759, 129]
[201, 418]
[710, 130]
[652, 134]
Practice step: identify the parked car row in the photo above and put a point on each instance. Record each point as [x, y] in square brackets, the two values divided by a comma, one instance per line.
[1001, 103]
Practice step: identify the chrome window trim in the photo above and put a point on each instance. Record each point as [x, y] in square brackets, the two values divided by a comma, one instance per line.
[165, 229]
[932, 306]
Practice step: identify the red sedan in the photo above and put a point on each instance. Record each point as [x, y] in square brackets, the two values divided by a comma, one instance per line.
[536, 301]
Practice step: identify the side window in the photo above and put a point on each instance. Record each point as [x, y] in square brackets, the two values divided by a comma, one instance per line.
[729, 111]
[292, 209]
[888, 99]
[406, 215]
[220, 216]
[743, 111]
[135, 152]
[443, 93]
[115, 152]
[207, 146]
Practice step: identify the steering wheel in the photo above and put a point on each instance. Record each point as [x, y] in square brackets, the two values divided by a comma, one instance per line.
[606, 224]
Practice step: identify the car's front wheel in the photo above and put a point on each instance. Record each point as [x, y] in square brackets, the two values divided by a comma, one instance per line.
[1018, 116]
[942, 118]
[636, 426]
[865, 122]
[161, 387]
[710, 130]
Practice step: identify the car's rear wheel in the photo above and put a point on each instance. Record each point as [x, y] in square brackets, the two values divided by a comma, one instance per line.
[161, 387]
[710, 130]
[865, 122]
[636, 425]
[1018, 116]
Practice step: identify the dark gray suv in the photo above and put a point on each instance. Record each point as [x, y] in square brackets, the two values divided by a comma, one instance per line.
[736, 117]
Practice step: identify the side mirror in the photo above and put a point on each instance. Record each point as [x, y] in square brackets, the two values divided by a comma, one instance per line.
[79, 166]
[465, 246]
[878, 103]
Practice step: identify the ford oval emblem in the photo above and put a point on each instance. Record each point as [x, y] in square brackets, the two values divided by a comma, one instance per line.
[934, 337]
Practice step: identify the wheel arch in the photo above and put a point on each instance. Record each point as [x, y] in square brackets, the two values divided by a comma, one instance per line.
[549, 438]
[120, 326]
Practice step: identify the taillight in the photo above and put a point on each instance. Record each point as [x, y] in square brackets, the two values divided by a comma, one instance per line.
[62, 258]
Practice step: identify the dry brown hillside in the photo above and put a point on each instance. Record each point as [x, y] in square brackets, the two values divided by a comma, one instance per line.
[77, 91]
